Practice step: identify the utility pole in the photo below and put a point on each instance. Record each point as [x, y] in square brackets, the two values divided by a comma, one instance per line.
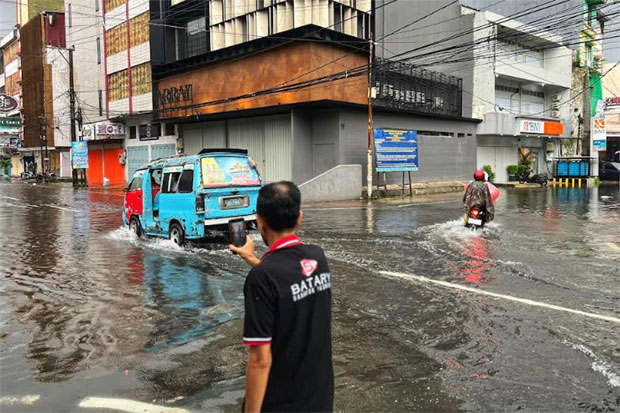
[43, 123]
[371, 56]
[74, 172]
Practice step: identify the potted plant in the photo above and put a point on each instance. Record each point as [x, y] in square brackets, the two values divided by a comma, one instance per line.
[512, 172]
[489, 170]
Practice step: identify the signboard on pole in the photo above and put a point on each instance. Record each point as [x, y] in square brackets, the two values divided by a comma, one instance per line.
[598, 128]
[7, 103]
[79, 155]
[396, 150]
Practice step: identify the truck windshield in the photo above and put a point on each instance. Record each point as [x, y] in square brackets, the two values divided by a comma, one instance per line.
[224, 171]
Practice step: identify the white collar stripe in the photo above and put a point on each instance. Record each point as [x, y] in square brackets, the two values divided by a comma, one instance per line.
[256, 339]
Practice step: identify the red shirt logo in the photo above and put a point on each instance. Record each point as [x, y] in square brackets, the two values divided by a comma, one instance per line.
[308, 267]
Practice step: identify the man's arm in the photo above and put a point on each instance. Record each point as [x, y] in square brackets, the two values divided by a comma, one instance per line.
[257, 374]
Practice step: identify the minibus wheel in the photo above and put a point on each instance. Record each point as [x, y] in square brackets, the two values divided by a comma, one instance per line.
[176, 234]
[135, 227]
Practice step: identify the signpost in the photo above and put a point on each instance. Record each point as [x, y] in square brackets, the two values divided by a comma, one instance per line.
[598, 134]
[396, 150]
[7, 103]
[10, 123]
[79, 154]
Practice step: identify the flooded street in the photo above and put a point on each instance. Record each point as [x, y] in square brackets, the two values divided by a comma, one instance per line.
[88, 311]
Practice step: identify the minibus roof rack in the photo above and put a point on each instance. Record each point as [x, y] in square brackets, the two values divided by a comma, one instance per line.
[218, 150]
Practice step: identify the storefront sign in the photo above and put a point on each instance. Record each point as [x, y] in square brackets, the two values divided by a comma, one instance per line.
[599, 134]
[396, 150]
[79, 155]
[150, 132]
[10, 123]
[612, 103]
[88, 132]
[183, 93]
[106, 130]
[540, 127]
[7, 103]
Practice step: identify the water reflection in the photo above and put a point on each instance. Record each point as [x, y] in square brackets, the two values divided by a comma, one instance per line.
[477, 252]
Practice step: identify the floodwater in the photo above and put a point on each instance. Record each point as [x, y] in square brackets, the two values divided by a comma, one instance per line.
[87, 310]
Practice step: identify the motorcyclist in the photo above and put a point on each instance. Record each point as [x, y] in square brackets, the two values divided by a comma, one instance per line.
[478, 194]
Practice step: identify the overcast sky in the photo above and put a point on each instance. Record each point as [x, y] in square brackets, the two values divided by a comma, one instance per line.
[7, 17]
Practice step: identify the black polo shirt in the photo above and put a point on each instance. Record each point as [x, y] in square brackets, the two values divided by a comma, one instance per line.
[288, 304]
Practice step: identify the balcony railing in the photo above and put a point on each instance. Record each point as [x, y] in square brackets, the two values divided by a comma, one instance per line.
[404, 86]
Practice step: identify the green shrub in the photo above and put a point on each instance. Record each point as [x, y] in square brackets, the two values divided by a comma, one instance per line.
[4, 165]
[521, 169]
[489, 171]
[597, 181]
[512, 169]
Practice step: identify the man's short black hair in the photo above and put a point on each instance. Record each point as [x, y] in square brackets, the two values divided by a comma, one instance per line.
[279, 204]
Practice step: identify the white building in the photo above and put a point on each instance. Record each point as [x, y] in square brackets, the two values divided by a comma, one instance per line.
[521, 90]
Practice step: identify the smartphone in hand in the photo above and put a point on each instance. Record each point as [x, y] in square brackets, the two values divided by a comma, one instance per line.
[237, 232]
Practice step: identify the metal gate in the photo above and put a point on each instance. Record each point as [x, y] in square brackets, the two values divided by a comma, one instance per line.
[137, 156]
[163, 150]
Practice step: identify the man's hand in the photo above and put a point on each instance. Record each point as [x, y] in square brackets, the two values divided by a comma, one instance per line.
[247, 252]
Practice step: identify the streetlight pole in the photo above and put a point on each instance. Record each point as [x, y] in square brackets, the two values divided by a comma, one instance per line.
[371, 54]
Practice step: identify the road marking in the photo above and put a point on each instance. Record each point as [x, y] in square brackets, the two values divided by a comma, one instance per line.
[8, 197]
[30, 399]
[421, 279]
[613, 246]
[127, 405]
[64, 209]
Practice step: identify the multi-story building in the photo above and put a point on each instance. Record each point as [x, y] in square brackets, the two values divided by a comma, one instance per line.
[10, 84]
[28, 9]
[45, 91]
[288, 81]
[516, 77]
[127, 65]
[86, 36]
[611, 93]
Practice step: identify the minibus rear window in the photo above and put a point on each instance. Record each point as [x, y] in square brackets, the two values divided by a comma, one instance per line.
[224, 171]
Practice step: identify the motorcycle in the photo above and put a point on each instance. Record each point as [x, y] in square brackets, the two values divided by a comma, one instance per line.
[526, 176]
[46, 176]
[476, 218]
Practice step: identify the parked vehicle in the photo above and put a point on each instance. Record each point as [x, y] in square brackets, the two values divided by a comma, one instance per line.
[27, 175]
[609, 171]
[476, 218]
[46, 177]
[526, 176]
[182, 197]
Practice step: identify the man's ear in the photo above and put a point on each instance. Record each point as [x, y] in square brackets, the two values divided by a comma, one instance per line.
[260, 223]
[299, 218]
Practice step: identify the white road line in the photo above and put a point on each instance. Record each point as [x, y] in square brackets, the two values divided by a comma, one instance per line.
[8, 197]
[613, 246]
[127, 405]
[64, 209]
[446, 284]
[10, 400]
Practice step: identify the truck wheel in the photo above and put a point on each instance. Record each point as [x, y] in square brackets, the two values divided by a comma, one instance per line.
[135, 227]
[176, 234]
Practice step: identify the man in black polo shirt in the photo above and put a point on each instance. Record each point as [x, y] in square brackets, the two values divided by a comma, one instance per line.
[287, 312]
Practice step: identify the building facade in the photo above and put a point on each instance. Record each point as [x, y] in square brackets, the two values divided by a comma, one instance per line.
[10, 84]
[45, 87]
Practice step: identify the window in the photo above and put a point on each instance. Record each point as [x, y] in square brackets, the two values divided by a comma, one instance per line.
[271, 22]
[100, 102]
[69, 15]
[338, 18]
[112, 4]
[118, 85]
[186, 183]
[196, 37]
[170, 183]
[98, 50]
[169, 129]
[245, 30]
[156, 176]
[96, 5]
[141, 79]
[132, 132]
[139, 29]
[136, 184]
[260, 4]
[116, 39]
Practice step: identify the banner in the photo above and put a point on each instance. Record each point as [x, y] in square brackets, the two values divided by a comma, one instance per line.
[598, 128]
[396, 150]
[79, 155]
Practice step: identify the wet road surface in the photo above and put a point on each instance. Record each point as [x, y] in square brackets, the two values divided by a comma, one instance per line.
[88, 310]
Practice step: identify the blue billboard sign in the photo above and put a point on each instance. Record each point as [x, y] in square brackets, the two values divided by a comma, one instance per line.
[396, 150]
[79, 155]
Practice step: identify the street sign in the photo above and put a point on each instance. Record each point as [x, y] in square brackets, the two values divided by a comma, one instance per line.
[10, 123]
[396, 150]
[79, 155]
[7, 103]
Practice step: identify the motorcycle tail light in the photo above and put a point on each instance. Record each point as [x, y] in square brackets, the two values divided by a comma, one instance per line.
[474, 212]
